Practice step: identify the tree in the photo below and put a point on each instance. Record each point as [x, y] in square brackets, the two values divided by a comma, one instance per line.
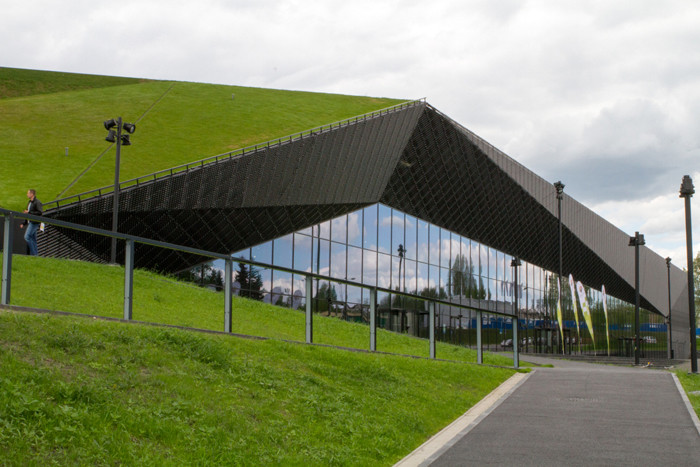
[250, 282]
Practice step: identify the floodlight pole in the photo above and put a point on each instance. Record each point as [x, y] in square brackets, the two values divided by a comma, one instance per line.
[559, 186]
[669, 346]
[115, 205]
[636, 242]
[687, 191]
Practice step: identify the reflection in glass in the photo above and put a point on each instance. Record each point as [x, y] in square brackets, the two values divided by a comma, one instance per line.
[262, 253]
[283, 251]
[302, 253]
[423, 241]
[370, 227]
[384, 271]
[397, 231]
[355, 228]
[369, 268]
[434, 245]
[354, 264]
[339, 228]
[384, 229]
[411, 240]
[338, 260]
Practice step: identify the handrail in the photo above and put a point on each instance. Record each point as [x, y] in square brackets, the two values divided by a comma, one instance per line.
[98, 192]
[223, 256]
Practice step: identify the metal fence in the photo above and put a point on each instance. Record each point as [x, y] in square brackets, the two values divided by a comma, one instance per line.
[131, 240]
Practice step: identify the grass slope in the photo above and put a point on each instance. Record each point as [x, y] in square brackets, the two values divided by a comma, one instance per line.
[76, 391]
[89, 288]
[177, 122]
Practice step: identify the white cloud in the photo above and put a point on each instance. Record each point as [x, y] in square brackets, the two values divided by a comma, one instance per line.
[602, 95]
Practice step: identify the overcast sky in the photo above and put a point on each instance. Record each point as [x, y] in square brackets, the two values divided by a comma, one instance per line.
[603, 95]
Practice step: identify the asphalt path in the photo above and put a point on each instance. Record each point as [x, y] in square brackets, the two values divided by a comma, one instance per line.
[583, 414]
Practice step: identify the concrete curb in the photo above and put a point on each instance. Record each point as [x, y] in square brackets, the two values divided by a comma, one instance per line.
[429, 451]
[686, 401]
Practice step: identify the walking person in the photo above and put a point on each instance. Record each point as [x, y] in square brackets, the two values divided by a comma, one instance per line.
[34, 207]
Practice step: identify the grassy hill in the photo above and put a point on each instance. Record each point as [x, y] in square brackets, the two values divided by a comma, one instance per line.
[81, 287]
[81, 391]
[86, 392]
[42, 113]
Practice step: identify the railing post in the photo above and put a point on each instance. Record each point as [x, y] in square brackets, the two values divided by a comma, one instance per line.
[373, 319]
[431, 328]
[309, 308]
[128, 279]
[228, 280]
[7, 259]
[479, 352]
[516, 354]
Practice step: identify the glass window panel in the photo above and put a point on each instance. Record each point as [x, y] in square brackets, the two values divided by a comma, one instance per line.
[444, 282]
[383, 271]
[339, 229]
[262, 253]
[266, 278]
[298, 292]
[434, 245]
[411, 239]
[493, 264]
[493, 289]
[326, 230]
[483, 260]
[410, 276]
[455, 245]
[355, 228]
[500, 264]
[384, 229]
[445, 257]
[321, 263]
[434, 279]
[354, 294]
[397, 232]
[396, 273]
[338, 260]
[302, 253]
[354, 264]
[243, 254]
[423, 241]
[307, 231]
[369, 268]
[283, 250]
[474, 257]
[281, 284]
[369, 228]
[422, 281]
[508, 276]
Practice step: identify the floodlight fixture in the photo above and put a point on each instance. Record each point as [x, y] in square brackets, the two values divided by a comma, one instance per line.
[125, 140]
[109, 124]
[129, 127]
[111, 137]
[559, 186]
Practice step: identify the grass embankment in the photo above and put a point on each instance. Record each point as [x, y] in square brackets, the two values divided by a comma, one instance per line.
[81, 287]
[79, 391]
[176, 123]
[691, 384]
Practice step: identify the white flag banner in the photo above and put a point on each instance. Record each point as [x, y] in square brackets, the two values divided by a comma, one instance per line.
[585, 310]
[605, 311]
[572, 286]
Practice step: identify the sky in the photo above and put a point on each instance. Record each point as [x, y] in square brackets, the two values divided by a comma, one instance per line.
[602, 95]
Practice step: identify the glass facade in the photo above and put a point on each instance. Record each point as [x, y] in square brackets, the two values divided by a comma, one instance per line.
[383, 247]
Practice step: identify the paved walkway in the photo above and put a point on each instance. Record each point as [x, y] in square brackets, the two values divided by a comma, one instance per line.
[582, 414]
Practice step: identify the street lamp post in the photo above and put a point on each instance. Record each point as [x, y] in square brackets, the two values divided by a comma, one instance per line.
[669, 347]
[116, 136]
[687, 191]
[559, 186]
[636, 242]
[515, 263]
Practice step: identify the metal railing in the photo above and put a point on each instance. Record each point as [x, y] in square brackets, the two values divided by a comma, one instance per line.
[131, 240]
[236, 153]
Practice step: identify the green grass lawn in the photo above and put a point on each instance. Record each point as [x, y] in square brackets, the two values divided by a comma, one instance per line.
[89, 288]
[75, 391]
[691, 384]
[42, 113]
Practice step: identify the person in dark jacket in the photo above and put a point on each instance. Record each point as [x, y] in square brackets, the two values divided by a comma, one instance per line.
[34, 207]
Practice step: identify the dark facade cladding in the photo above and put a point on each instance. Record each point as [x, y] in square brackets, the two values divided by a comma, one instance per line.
[413, 159]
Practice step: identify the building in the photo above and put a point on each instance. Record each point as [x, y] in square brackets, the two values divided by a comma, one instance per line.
[403, 199]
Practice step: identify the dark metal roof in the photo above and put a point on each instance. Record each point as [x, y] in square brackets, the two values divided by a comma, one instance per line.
[412, 158]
